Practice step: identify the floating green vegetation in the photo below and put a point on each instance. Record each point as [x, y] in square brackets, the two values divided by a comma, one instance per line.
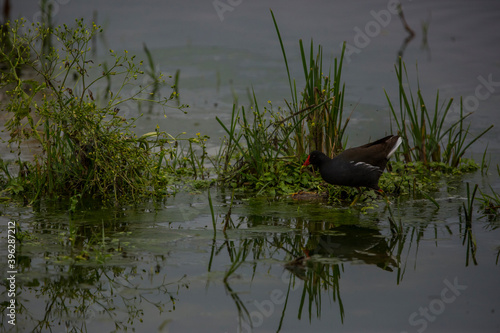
[83, 145]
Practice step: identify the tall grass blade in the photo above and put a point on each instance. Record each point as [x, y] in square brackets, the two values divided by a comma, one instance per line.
[292, 90]
[212, 213]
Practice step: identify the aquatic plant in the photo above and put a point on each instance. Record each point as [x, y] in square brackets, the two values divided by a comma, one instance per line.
[466, 229]
[269, 144]
[490, 203]
[82, 144]
[468, 208]
[265, 152]
[426, 137]
[316, 120]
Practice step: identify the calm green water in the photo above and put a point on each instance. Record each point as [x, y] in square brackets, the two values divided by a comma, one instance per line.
[158, 267]
[164, 269]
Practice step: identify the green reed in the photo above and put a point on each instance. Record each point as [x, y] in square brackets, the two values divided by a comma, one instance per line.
[153, 76]
[466, 229]
[426, 135]
[316, 120]
[266, 141]
[469, 207]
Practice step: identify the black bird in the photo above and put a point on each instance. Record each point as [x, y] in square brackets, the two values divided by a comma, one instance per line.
[357, 167]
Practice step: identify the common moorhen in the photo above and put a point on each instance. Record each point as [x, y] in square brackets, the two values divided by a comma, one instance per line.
[359, 166]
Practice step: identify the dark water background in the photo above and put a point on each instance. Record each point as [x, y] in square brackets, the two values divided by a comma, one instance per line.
[172, 258]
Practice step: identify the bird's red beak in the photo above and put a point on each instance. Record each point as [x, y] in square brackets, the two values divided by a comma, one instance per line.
[306, 163]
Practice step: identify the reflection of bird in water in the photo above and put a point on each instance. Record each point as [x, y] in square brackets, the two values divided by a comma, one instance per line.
[346, 243]
[298, 265]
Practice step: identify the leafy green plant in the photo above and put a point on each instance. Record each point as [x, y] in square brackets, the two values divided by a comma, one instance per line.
[87, 146]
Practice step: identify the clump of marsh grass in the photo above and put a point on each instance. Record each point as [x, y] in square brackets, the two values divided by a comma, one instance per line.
[269, 144]
[426, 136]
[316, 121]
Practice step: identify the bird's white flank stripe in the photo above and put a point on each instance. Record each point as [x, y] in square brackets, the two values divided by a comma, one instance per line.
[366, 165]
[398, 143]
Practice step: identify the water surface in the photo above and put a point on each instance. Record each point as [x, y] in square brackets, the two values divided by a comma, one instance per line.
[158, 266]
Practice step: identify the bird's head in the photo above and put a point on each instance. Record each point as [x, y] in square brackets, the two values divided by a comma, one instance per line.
[315, 158]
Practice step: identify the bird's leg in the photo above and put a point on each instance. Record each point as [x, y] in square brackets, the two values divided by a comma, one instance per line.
[382, 193]
[357, 197]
